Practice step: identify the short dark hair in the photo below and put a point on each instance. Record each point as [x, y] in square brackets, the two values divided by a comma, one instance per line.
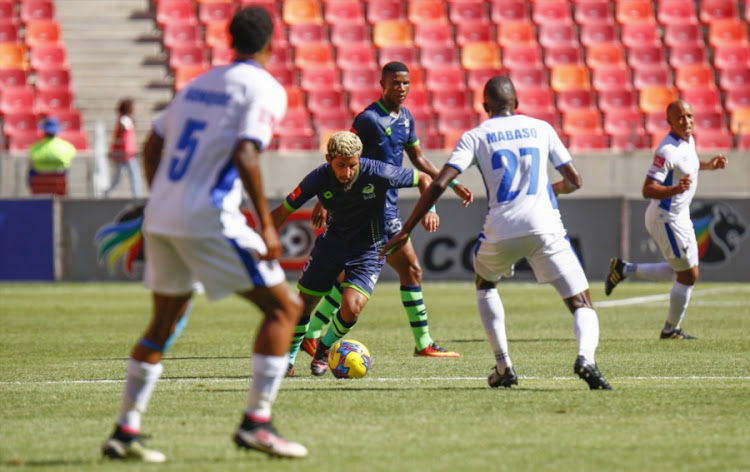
[395, 67]
[251, 28]
[125, 106]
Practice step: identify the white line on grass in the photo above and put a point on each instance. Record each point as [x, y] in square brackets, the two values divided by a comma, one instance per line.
[368, 379]
[660, 297]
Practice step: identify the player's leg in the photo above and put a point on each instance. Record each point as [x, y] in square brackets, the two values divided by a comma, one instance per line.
[679, 297]
[309, 301]
[406, 264]
[352, 303]
[325, 311]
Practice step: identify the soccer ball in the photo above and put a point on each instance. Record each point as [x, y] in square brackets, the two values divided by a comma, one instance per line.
[349, 359]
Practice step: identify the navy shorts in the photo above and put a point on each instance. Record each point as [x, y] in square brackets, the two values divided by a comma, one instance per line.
[329, 257]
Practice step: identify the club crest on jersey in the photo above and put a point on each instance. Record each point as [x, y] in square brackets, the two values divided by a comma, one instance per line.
[368, 192]
[659, 162]
[407, 123]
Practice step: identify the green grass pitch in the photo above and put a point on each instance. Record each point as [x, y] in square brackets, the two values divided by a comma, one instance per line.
[676, 405]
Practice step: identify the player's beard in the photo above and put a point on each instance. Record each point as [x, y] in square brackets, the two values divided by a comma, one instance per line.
[337, 183]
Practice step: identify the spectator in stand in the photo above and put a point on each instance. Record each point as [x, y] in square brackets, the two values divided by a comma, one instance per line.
[51, 154]
[124, 149]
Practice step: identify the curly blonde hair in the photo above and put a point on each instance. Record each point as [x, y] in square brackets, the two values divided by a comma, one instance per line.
[344, 144]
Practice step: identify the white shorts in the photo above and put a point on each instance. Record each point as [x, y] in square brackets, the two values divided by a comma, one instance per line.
[222, 265]
[676, 239]
[550, 255]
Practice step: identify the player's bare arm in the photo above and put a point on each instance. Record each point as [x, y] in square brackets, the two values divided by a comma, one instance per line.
[654, 189]
[716, 162]
[420, 162]
[279, 215]
[152, 151]
[246, 159]
[318, 216]
[571, 181]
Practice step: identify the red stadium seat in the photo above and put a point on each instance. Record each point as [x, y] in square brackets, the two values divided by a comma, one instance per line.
[536, 100]
[304, 33]
[728, 32]
[209, 11]
[476, 79]
[9, 32]
[16, 99]
[598, 33]
[179, 34]
[187, 55]
[676, 12]
[455, 120]
[656, 124]
[713, 139]
[683, 34]
[13, 77]
[344, 11]
[522, 56]
[220, 56]
[646, 57]
[184, 74]
[21, 142]
[710, 10]
[49, 79]
[502, 11]
[587, 12]
[605, 55]
[473, 32]
[357, 79]
[343, 34]
[313, 55]
[573, 99]
[78, 138]
[445, 77]
[296, 143]
[468, 11]
[617, 100]
[703, 98]
[439, 56]
[313, 78]
[694, 75]
[557, 33]
[409, 55]
[623, 121]
[70, 120]
[356, 57]
[710, 119]
[634, 11]
[433, 34]
[641, 34]
[295, 97]
[8, 12]
[687, 54]
[361, 99]
[444, 101]
[385, 10]
[551, 12]
[48, 102]
[217, 34]
[734, 77]
[732, 57]
[296, 122]
[426, 11]
[283, 73]
[333, 120]
[525, 77]
[36, 10]
[553, 118]
[658, 75]
[515, 33]
[20, 122]
[562, 54]
[42, 32]
[611, 78]
[175, 11]
[583, 142]
[737, 97]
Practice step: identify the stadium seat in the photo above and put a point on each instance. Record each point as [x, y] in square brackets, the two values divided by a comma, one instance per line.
[13, 77]
[426, 11]
[304, 33]
[734, 77]
[703, 98]
[655, 123]
[630, 141]
[392, 33]
[605, 55]
[732, 57]
[623, 121]
[473, 32]
[450, 139]
[551, 12]
[50, 79]
[221, 56]
[215, 11]
[179, 34]
[20, 122]
[48, 184]
[588, 12]
[676, 12]
[36, 10]
[42, 32]
[468, 11]
[48, 102]
[562, 54]
[503, 11]
[9, 32]
[737, 97]
[13, 56]
[16, 99]
[409, 55]
[582, 120]
[358, 79]
[516, 33]
[333, 120]
[617, 100]
[352, 57]
[611, 78]
[713, 139]
[455, 120]
[283, 73]
[433, 34]
[295, 97]
[482, 55]
[48, 57]
[588, 141]
[78, 138]
[70, 120]
[385, 10]
[710, 119]
[444, 101]
[640, 34]
[21, 142]
[567, 100]
[598, 33]
[522, 56]
[710, 10]
[525, 77]
[183, 75]
[476, 79]
[350, 33]
[186, 55]
[8, 12]
[295, 143]
[740, 121]
[570, 77]
[727, 32]
[175, 11]
[646, 57]
[313, 55]
[683, 34]
[534, 100]
[445, 77]
[655, 98]
[344, 12]
[694, 75]
[301, 11]
[439, 56]
[313, 78]
[658, 75]
[554, 33]
[296, 122]
[634, 11]
[216, 34]
[362, 98]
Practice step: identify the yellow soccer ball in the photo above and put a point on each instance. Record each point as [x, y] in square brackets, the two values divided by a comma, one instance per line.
[349, 359]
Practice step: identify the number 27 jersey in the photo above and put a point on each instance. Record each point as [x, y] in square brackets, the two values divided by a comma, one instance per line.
[511, 153]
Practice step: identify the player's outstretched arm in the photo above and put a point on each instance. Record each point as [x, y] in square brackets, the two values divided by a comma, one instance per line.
[571, 181]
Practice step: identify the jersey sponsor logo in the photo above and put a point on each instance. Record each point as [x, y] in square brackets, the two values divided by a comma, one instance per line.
[207, 97]
[327, 194]
[295, 193]
[719, 229]
[511, 134]
[368, 192]
[659, 162]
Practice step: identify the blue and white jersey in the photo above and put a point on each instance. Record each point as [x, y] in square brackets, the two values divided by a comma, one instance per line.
[511, 153]
[197, 190]
[674, 159]
[356, 215]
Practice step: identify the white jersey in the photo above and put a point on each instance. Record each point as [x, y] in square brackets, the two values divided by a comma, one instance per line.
[511, 153]
[674, 159]
[197, 190]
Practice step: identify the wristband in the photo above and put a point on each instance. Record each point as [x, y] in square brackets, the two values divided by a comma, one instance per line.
[453, 183]
[432, 209]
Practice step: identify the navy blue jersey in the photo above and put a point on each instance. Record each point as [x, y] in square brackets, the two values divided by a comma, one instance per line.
[384, 136]
[355, 216]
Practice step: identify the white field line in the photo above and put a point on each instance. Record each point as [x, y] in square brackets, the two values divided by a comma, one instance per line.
[369, 379]
[662, 297]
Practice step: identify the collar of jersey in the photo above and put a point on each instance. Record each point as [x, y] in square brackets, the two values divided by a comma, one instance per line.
[678, 138]
[248, 61]
[382, 107]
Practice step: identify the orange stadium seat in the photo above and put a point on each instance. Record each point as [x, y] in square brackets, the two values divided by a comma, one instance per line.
[740, 121]
[655, 98]
[344, 11]
[554, 33]
[515, 33]
[588, 141]
[392, 33]
[36, 10]
[302, 11]
[605, 55]
[313, 55]
[304, 33]
[658, 75]
[732, 57]
[177, 34]
[682, 33]
[471, 32]
[215, 11]
[676, 12]
[573, 99]
[598, 33]
[522, 56]
[611, 78]
[13, 56]
[433, 34]
[175, 11]
[217, 34]
[503, 11]
[356, 57]
[570, 77]
[694, 75]
[727, 32]
[482, 55]
[551, 12]
[468, 11]
[426, 11]
[343, 34]
[48, 102]
[582, 120]
[183, 75]
[50, 79]
[445, 77]
[385, 10]
[710, 10]
[640, 34]
[439, 56]
[734, 77]
[13, 77]
[634, 11]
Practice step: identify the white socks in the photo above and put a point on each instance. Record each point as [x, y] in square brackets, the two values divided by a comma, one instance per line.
[492, 313]
[657, 271]
[139, 385]
[679, 298]
[586, 328]
[268, 372]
